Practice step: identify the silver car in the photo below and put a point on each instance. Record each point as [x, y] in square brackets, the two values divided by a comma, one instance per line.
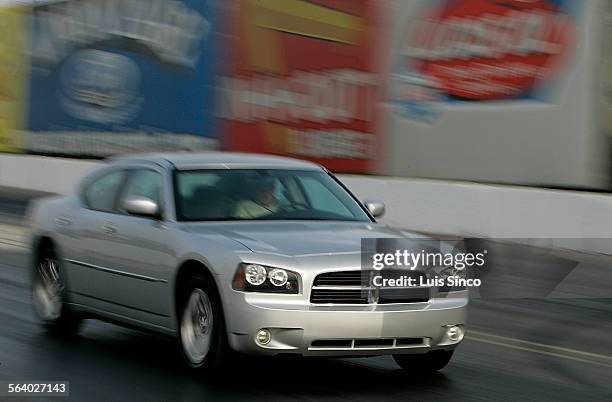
[256, 254]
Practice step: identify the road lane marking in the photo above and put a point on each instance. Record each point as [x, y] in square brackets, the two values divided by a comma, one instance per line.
[543, 352]
[559, 348]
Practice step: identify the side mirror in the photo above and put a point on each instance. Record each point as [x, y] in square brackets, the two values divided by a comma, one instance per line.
[142, 206]
[376, 208]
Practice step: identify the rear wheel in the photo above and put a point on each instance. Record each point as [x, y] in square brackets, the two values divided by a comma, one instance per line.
[201, 326]
[424, 363]
[48, 294]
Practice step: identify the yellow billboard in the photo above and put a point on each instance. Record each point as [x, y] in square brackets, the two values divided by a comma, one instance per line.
[13, 76]
[605, 73]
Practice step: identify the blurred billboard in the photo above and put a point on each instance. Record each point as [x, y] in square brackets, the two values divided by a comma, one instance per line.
[605, 71]
[13, 76]
[114, 76]
[303, 80]
[479, 50]
[497, 91]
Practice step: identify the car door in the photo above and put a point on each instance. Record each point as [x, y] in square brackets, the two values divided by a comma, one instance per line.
[88, 283]
[138, 251]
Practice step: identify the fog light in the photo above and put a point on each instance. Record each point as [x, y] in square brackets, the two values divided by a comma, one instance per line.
[454, 333]
[263, 336]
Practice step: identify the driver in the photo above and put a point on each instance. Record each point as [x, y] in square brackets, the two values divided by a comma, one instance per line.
[263, 203]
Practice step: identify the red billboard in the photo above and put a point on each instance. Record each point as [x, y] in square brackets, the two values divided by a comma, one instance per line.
[303, 81]
[489, 49]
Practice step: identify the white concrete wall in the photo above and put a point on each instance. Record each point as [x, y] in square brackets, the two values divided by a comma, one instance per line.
[54, 175]
[564, 219]
[561, 219]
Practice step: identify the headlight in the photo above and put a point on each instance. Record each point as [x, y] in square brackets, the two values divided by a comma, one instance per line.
[278, 277]
[255, 274]
[259, 278]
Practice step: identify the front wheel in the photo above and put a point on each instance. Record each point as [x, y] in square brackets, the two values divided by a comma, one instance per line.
[48, 294]
[424, 363]
[201, 326]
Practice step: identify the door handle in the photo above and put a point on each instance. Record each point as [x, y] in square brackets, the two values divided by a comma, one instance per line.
[63, 221]
[109, 229]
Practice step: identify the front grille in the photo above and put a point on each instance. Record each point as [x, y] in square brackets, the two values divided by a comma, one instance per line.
[352, 287]
[342, 278]
[344, 287]
[344, 296]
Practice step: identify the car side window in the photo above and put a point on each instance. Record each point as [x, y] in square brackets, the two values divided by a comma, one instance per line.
[144, 183]
[100, 194]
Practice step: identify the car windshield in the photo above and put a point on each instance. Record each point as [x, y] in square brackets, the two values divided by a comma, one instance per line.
[263, 194]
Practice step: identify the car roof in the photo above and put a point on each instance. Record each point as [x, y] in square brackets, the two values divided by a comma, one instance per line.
[218, 160]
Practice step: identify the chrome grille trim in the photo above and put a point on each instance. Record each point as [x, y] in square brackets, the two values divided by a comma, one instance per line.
[346, 287]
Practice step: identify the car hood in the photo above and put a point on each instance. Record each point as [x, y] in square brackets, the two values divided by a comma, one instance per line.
[301, 238]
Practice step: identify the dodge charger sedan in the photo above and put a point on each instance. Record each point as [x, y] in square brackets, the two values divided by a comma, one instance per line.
[230, 252]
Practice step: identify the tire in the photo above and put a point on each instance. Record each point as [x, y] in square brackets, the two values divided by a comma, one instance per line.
[424, 363]
[201, 327]
[49, 294]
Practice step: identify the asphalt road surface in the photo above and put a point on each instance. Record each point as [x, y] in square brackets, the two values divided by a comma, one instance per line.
[558, 348]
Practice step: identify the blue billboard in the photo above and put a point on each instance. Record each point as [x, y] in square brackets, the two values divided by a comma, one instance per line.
[113, 76]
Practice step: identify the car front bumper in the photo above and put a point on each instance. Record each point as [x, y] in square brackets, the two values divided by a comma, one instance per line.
[342, 330]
